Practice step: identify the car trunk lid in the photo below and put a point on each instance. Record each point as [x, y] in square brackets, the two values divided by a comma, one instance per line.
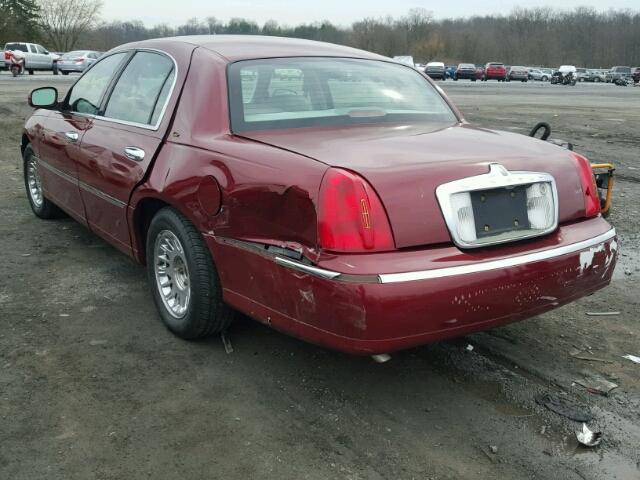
[406, 163]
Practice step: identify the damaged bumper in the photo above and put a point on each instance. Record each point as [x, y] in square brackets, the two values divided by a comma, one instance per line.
[377, 303]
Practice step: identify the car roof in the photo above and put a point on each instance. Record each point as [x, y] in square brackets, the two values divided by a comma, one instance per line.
[246, 47]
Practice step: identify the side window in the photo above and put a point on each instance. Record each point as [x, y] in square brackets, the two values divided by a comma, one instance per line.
[88, 91]
[32, 48]
[142, 90]
[41, 49]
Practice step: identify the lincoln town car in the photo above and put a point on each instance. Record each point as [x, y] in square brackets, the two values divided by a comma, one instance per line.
[330, 193]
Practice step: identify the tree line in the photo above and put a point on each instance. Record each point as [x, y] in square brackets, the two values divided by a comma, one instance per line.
[583, 36]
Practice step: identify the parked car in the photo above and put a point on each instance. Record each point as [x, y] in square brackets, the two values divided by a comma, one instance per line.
[495, 71]
[36, 57]
[618, 73]
[518, 73]
[435, 70]
[302, 204]
[537, 74]
[77, 61]
[451, 71]
[581, 74]
[465, 71]
[479, 72]
[635, 74]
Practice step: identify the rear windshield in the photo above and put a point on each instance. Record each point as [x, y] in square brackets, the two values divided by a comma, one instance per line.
[302, 92]
[21, 47]
[496, 65]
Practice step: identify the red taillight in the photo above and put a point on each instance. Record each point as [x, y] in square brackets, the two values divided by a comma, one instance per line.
[350, 215]
[7, 55]
[589, 187]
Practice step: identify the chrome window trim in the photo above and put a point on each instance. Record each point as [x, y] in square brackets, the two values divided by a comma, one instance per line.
[498, 177]
[144, 126]
[476, 267]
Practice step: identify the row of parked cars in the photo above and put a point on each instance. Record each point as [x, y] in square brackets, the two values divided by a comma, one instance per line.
[36, 57]
[503, 73]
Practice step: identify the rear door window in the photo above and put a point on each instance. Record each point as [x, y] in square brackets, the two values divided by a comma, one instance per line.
[87, 93]
[142, 90]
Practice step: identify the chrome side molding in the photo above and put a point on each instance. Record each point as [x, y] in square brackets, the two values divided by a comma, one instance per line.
[301, 267]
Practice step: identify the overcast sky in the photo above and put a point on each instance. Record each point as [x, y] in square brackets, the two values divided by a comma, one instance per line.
[342, 12]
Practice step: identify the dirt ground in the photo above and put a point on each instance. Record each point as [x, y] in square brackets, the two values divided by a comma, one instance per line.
[92, 386]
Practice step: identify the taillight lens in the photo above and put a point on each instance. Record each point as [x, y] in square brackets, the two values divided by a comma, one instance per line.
[589, 187]
[7, 55]
[350, 215]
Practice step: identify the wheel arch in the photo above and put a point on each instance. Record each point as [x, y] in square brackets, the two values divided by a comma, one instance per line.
[141, 216]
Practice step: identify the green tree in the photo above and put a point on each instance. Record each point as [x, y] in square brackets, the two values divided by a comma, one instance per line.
[19, 20]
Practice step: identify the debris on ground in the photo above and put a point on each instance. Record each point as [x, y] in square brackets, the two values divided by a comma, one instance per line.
[633, 358]
[565, 407]
[602, 314]
[595, 383]
[469, 347]
[93, 343]
[493, 448]
[587, 437]
[578, 353]
[226, 342]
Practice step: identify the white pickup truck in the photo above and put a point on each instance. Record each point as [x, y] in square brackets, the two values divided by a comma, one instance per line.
[36, 57]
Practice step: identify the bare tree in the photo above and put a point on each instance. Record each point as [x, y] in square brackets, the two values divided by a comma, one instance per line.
[64, 21]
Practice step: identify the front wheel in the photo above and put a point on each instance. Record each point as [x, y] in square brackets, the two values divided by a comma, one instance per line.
[185, 283]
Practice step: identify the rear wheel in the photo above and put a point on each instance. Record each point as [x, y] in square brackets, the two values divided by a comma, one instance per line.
[31, 71]
[41, 205]
[185, 283]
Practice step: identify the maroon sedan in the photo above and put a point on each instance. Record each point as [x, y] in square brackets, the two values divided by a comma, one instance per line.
[325, 191]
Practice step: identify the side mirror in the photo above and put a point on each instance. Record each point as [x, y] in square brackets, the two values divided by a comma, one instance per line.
[45, 97]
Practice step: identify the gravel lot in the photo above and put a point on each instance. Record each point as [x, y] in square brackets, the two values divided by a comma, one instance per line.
[92, 386]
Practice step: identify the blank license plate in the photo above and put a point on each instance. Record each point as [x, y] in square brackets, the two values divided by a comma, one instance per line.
[500, 210]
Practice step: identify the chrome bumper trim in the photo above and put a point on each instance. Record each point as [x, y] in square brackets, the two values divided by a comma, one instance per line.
[497, 264]
[449, 271]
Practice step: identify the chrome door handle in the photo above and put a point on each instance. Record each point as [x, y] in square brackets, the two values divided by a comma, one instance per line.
[71, 136]
[134, 153]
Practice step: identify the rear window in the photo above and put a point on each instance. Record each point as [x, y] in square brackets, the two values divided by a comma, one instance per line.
[21, 47]
[496, 65]
[74, 54]
[303, 92]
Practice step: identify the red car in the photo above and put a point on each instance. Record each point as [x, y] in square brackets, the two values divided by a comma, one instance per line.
[325, 191]
[495, 71]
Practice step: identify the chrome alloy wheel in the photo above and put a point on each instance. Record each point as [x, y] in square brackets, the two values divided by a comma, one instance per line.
[172, 273]
[33, 182]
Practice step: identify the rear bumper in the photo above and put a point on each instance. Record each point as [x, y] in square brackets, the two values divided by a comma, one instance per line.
[344, 305]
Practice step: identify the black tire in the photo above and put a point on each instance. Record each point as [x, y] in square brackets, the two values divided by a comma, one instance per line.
[47, 210]
[55, 68]
[30, 71]
[64, 73]
[206, 312]
[544, 78]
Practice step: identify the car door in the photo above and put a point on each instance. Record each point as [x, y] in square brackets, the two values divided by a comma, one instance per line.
[45, 61]
[122, 141]
[61, 133]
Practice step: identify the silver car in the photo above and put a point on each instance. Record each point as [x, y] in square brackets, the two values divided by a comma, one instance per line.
[77, 61]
